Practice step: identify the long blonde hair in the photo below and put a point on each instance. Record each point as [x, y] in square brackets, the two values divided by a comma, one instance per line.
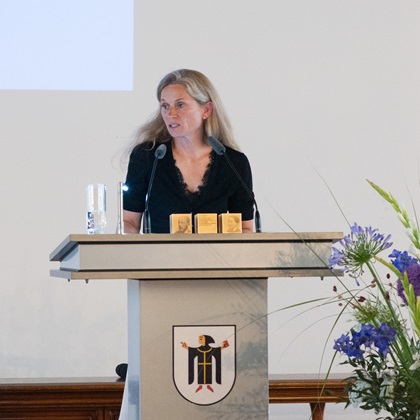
[202, 90]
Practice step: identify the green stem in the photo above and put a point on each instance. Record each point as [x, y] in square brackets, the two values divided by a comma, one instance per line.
[404, 354]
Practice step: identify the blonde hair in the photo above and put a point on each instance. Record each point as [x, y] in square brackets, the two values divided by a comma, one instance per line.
[202, 90]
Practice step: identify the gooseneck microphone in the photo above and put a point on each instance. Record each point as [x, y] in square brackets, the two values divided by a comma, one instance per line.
[159, 154]
[220, 149]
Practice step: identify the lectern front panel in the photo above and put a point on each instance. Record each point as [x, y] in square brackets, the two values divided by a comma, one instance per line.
[203, 349]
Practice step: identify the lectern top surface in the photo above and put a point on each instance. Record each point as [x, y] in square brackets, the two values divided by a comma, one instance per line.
[73, 240]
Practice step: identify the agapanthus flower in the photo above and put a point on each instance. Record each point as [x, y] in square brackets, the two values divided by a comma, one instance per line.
[368, 337]
[413, 274]
[358, 249]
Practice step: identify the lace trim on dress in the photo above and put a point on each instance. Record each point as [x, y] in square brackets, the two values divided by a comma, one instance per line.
[194, 195]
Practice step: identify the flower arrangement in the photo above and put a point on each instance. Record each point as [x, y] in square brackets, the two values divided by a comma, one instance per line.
[383, 347]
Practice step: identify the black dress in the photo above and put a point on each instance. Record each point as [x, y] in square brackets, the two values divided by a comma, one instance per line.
[220, 192]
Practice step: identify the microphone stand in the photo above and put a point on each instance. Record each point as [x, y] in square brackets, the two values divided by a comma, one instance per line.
[220, 149]
[120, 226]
[147, 228]
[257, 213]
[147, 225]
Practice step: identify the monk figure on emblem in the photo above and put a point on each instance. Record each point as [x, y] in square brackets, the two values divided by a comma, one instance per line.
[205, 357]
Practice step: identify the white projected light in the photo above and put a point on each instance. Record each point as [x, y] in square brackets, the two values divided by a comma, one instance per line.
[66, 45]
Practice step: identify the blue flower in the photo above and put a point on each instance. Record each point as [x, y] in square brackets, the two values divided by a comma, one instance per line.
[401, 260]
[365, 338]
[345, 345]
[385, 335]
[342, 343]
[358, 249]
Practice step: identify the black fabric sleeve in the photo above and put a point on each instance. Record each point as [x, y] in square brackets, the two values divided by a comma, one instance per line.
[241, 201]
[137, 181]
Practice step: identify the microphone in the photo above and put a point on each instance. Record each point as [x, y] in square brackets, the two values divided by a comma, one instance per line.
[220, 149]
[121, 370]
[159, 154]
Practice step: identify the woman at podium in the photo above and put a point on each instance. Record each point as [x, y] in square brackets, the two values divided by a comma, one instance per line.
[189, 176]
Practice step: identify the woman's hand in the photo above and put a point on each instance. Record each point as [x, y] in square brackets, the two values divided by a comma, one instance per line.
[247, 226]
[132, 221]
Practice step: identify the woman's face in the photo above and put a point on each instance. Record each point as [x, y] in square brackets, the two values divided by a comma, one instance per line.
[182, 114]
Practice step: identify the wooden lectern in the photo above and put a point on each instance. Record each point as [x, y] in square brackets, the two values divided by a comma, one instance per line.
[197, 313]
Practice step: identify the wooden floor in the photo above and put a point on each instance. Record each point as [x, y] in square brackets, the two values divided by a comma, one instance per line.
[100, 398]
